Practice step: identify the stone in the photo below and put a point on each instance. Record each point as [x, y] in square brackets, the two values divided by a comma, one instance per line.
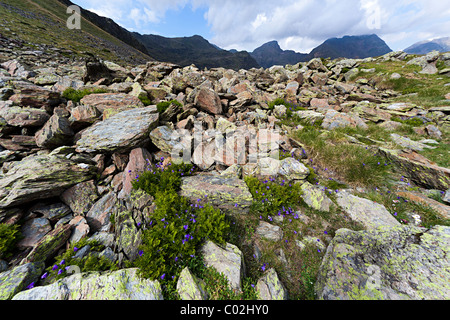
[227, 259]
[418, 169]
[164, 138]
[292, 169]
[316, 198]
[269, 287]
[41, 177]
[18, 278]
[24, 117]
[334, 119]
[139, 160]
[98, 217]
[433, 131]
[56, 132]
[128, 235]
[386, 263]
[407, 143]
[80, 229]
[364, 211]
[124, 284]
[52, 212]
[30, 95]
[208, 100]
[189, 287]
[269, 231]
[204, 155]
[48, 246]
[83, 115]
[134, 124]
[115, 101]
[80, 197]
[34, 230]
[226, 193]
[442, 209]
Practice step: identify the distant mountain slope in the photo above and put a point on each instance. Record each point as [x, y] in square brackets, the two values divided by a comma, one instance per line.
[111, 27]
[355, 47]
[194, 50]
[44, 22]
[270, 54]
[423, 47]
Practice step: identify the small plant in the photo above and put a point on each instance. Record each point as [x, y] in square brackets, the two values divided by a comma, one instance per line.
[163, 105]
[145, 100]
[9, 236]
[272, 198]
[90, 262]
[77, 95]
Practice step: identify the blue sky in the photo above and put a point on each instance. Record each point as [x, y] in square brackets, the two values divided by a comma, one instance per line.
[298, 25]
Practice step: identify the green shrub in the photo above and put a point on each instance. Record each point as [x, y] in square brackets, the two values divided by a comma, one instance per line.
[9, 236]
[163, 105]
[145, 100]
[77, 95]
[271, 198]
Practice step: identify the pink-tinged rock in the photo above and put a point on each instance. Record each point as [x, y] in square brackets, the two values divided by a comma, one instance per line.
[34, 230]
[120, 101]
[80, 229]
[334, 119]
[83, 115]
[208, 100]
[24, 117]
[137, 163]
[30, 95]
[316, 103]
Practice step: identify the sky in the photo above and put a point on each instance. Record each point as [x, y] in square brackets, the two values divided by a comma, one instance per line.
[298, 25]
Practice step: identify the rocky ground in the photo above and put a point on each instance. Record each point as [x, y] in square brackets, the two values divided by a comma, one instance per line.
[372, 168]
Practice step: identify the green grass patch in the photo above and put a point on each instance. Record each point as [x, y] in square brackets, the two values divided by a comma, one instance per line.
[354, 164]
[77, 95]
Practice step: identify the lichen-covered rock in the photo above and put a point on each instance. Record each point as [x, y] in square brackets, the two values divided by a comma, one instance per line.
[124, 284]
[189, 287]
[105, 136]
[269, 287]
[41, 176]
[17, 279]
[292, 169]
[24, 116]
[56, 132]
[334, 119]
[386, 263]
[418, 169]
[81, 197]
[269, 231]
[315, 197]
[226, 259]
[50, 244]
[117, 101]
[364, 211]
[227, 193]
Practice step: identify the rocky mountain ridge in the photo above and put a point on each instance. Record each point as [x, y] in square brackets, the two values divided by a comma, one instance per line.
[68, 163]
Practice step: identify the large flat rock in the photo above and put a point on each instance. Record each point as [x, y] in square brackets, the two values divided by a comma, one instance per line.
[386, 263]
[120, 132]
[40, 177]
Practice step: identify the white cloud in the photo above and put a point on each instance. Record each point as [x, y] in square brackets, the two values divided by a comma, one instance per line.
[299, 25]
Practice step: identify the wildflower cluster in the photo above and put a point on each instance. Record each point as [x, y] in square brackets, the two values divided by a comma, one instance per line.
[177, 227]
[273, 198]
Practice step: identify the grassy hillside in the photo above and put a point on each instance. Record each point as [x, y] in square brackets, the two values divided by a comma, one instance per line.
[44, 22]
